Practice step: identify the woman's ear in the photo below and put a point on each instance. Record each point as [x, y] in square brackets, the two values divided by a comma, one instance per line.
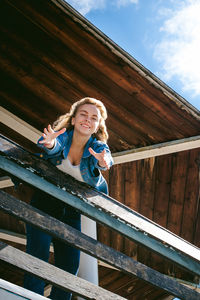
[72, 121]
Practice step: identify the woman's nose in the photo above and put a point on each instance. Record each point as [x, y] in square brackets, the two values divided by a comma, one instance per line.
[87, 119]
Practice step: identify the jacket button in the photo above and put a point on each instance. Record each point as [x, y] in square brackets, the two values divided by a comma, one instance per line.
[58, 162]
[41, 155]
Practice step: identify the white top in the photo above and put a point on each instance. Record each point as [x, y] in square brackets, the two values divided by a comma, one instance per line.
[67, 167]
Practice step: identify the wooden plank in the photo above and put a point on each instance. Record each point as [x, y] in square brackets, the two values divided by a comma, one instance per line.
[132, 199]
[5, 182]
[18, 138]
[53, 275]
[197, 226]
[17, 292]
[162, 189]
[23, 128]
[157, 150]
[117, 179]
[147, 188]
[92, 247]
[147, 174]
[161, 202]
[177, 193]
[104, 233]
[98, 206]
[191, 200]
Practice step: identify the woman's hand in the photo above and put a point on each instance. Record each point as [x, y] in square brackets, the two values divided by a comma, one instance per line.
[102, 157]
[49, 136]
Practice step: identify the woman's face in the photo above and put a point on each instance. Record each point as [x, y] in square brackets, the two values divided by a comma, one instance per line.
[86, 120]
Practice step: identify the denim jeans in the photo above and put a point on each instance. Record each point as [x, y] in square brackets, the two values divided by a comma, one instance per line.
[38, 244]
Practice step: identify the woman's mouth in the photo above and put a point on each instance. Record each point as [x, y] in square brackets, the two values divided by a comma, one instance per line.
[85, 126]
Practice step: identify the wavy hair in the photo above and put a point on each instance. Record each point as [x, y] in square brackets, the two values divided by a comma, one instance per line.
[65, 121]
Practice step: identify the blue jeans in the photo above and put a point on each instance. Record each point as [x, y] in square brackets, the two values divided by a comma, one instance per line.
[38, 244]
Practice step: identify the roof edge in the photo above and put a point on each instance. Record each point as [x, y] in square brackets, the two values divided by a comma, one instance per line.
[130, 60]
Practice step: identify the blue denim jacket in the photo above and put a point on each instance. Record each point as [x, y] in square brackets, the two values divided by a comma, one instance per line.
[90, 170]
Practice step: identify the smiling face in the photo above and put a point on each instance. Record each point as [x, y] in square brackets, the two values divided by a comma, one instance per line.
[86, 120]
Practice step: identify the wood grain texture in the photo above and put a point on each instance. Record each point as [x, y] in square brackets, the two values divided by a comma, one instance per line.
[72, 236]
[53, 275]
[117, 216]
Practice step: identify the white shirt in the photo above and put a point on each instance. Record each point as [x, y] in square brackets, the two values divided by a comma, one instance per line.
[67, 167]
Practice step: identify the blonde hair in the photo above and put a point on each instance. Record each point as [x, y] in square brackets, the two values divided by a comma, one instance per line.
[65, 121]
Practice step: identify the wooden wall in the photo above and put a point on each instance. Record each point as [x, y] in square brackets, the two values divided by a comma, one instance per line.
[164, 189]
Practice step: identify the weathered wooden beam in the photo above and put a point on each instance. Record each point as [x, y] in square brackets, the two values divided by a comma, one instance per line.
[5, 181]
[98, 206]
[19, 125]
[7, 289]
[53, 275]
[92, 247]
[157, 150]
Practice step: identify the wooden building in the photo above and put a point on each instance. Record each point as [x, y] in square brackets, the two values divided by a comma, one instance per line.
[50, 56]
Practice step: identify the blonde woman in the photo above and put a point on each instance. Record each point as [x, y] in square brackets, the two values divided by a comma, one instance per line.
[76, 145]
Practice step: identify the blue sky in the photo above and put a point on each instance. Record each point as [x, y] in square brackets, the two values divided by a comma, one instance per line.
[163, 35]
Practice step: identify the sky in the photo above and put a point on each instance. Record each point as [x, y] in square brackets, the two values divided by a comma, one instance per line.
[162, 35]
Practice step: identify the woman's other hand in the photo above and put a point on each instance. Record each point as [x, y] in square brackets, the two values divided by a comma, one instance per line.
[102, 157]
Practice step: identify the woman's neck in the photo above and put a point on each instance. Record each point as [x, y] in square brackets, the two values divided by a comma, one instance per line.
[77, 147]
[79, 141]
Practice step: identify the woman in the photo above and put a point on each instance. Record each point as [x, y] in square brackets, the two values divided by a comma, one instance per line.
[77, 146]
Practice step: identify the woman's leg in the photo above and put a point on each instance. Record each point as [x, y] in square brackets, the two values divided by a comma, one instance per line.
[38, 245]
[66, 257]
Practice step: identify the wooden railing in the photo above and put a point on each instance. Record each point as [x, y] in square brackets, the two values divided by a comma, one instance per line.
[100, 207]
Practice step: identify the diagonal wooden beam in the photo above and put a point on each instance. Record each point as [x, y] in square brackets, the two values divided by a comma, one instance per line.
[19, 125]
[92, 247]
[14, 292]
[5, 182]
[157, 150]
[54, 275]
[98, 206]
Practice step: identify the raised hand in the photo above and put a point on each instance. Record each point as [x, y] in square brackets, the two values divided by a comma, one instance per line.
[49, 136]
[102, 157]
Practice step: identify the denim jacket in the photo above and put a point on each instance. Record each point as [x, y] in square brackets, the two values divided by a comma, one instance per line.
[90, 170]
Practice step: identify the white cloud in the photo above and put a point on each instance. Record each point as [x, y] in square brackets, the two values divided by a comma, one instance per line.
[120, 3]
[85, 6]
[179, 49]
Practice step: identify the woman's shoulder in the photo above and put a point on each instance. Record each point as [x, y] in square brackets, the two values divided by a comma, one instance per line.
[99, 144]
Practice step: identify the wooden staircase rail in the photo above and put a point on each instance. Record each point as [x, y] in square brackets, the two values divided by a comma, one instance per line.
[54, 275]
[19, 293]
[98, 206]
[67, 234]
